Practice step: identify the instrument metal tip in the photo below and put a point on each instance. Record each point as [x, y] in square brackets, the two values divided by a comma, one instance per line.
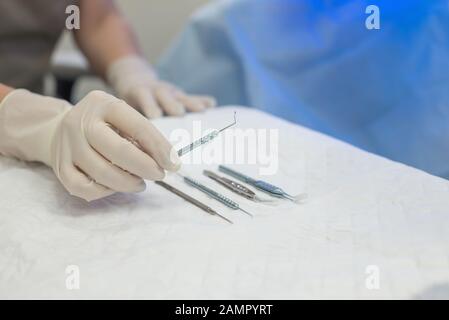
[251, 215]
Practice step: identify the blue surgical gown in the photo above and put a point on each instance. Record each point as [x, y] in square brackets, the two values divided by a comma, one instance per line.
[317, 64]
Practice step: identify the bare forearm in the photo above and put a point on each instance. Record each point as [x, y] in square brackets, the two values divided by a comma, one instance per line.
[104, 35]
[112, 50]
[4, 90]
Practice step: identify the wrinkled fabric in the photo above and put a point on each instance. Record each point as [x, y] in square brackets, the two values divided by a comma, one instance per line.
[316, 63]
[364, 216]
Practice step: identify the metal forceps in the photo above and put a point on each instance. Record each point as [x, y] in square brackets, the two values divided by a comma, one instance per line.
[262, 185]
[207, 138]
[191, 200]
[217, 196]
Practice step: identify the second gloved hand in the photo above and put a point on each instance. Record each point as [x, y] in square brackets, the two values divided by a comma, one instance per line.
[134, 81]
[96, 148]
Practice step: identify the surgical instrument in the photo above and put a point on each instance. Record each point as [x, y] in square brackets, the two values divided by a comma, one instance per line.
[235, 187]
[191, 200]
[217, 196]
[207, 138]
[262, 185]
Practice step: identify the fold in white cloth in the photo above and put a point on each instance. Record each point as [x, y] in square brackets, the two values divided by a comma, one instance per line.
[365, 217]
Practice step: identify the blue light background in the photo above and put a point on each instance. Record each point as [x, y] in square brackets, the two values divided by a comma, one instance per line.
[315, 63]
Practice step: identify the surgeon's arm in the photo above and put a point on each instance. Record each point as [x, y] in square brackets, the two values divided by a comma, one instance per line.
[103, 35]
[111, 48]
[4, 90]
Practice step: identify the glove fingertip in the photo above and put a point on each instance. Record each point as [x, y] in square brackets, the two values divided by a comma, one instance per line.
[152, 113]
[175, 161]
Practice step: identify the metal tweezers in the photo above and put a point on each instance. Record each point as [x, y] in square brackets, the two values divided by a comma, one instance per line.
[235, 187]
[266, 187]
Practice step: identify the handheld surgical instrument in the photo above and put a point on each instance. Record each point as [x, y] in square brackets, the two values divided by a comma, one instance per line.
[235, 187]
[217, 196]
[191, 200]
[207, 138]
[262, 185]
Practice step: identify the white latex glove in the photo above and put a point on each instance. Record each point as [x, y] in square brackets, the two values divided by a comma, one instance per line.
[85, 144]
[134, 81]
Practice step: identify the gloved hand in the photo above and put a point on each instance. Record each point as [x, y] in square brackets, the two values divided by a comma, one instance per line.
[85, 144]
[135, 82]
